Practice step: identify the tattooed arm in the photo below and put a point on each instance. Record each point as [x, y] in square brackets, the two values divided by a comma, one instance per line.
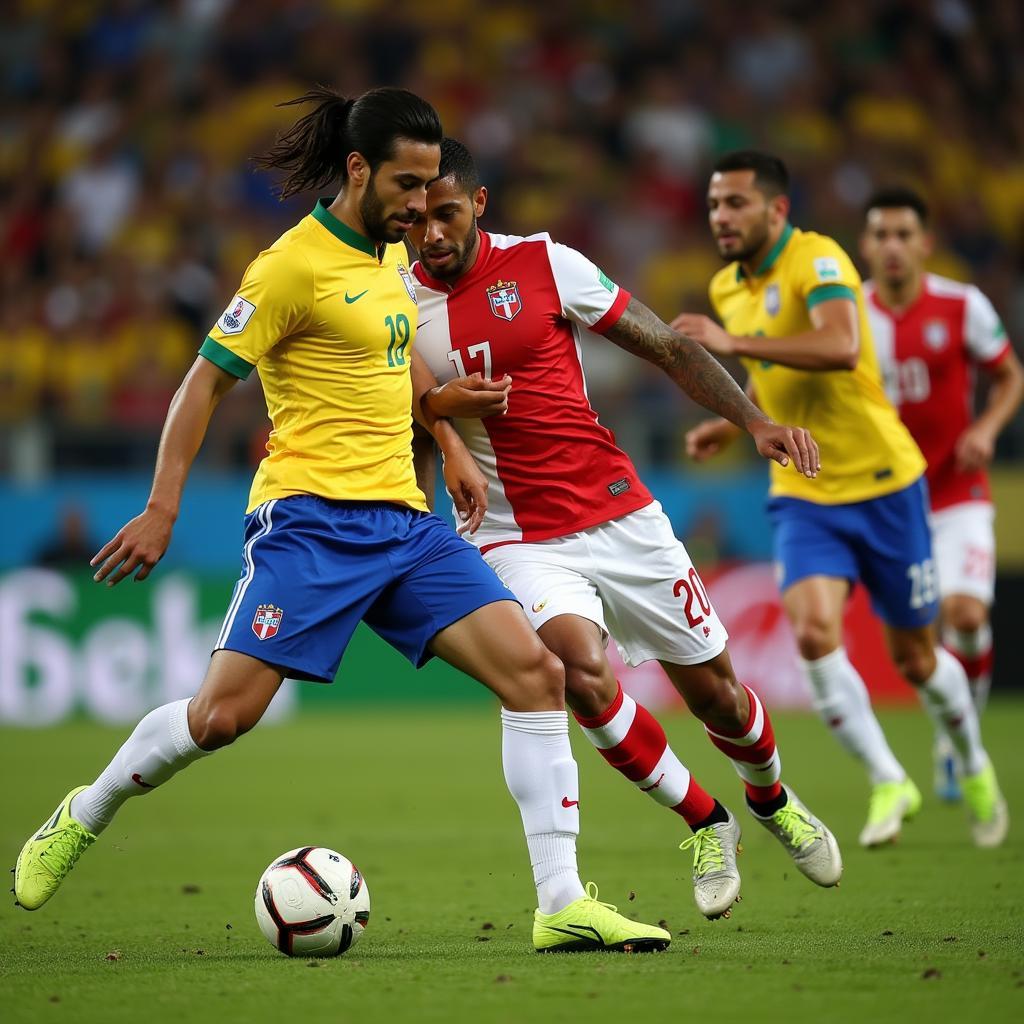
[703, 378]
[695, 371]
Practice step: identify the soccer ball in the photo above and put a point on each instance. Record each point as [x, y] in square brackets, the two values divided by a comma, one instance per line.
[312, 901]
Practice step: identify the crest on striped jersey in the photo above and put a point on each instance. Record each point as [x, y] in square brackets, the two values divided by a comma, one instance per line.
[504, 299]
[936, 334]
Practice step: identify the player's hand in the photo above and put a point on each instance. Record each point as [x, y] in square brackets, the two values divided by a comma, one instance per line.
[709, 438]
[467, 486]
[786, 444]
[704, 331]
[139, 544]
[470, 398]
[974, 448]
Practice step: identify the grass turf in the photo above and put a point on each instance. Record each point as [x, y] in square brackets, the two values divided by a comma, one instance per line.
[156, 921]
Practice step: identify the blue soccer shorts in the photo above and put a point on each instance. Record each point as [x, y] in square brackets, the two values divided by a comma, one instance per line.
[312, 568]
[883, 542]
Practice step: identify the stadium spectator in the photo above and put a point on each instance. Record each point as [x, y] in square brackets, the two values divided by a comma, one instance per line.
[122, 138]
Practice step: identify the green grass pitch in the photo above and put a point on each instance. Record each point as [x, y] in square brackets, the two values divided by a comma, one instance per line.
[156, 922]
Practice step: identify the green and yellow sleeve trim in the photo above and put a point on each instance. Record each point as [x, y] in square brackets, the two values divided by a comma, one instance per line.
[225, 359]
[825, 292]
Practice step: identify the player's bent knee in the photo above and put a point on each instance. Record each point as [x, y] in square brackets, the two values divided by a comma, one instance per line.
[219, 725]
[589, 685]
[915, 665]
[720, 704]
[965, 616]
[815, 637]
[541, 679]
[711, 691]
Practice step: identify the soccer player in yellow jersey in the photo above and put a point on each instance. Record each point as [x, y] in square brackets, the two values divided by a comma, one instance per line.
[337, 530]
[793, 311]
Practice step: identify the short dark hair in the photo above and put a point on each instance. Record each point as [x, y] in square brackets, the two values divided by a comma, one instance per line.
[770, 174]
[316, 148]
[898, 197]
[457, 162]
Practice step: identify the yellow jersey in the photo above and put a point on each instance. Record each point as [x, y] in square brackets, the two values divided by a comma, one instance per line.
[866, 451]
[327, 318]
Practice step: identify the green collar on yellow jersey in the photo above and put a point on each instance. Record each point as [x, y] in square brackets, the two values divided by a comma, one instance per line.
[341, 230]
[769, 261]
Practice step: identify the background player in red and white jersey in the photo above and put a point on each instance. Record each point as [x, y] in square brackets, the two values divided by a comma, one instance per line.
[571, 529]
[930, 335]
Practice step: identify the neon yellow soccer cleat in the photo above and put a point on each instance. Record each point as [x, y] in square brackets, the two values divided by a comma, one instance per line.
[990, 818]
[588, 924]
[49, 855]
[892, 803]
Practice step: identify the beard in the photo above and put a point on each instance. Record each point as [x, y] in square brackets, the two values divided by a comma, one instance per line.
[371, 210]
[751, 246]
[895, 279]
[461, 257]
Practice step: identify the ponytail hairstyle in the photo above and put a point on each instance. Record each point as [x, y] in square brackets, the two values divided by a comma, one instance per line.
[315, 150]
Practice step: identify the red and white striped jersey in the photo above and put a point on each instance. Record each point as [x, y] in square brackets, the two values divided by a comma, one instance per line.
[928, 354]
[527, 308]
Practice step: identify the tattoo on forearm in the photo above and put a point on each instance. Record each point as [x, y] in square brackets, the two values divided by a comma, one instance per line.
[693, 369]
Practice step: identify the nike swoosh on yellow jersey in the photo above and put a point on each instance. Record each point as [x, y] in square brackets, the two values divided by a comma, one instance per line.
[353, 298]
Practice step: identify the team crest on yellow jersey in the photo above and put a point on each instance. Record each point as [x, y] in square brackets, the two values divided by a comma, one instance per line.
[408, 282]
[772, 300]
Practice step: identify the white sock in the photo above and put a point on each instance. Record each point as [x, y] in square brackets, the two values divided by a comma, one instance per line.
[541, 776]
[841, 699]
[160, 746]
[947, 698]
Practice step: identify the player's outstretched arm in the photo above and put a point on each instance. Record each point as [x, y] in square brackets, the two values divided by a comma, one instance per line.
[141, 543]
[704, 379]
[462, 476]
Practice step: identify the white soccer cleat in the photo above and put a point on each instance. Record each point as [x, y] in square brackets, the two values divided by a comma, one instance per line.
[807, 840]
[716, 879]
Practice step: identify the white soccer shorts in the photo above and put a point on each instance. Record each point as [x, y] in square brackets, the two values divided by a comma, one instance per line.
[964, 545]
[630, 576]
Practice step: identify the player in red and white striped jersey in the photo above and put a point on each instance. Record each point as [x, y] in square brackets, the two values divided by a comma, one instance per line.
[571, 529]
[931, 334]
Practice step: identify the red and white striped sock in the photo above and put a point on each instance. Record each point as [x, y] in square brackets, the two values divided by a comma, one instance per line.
[973, 649]
[632, 741]
[753, 753]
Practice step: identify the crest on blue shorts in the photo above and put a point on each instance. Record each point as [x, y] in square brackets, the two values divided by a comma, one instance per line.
[267, 621]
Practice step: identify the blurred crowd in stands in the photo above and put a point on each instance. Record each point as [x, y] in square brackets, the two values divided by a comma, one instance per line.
[129, 210]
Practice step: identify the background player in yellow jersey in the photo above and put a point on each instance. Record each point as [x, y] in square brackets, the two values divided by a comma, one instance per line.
[793, 311]
[337, 530]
